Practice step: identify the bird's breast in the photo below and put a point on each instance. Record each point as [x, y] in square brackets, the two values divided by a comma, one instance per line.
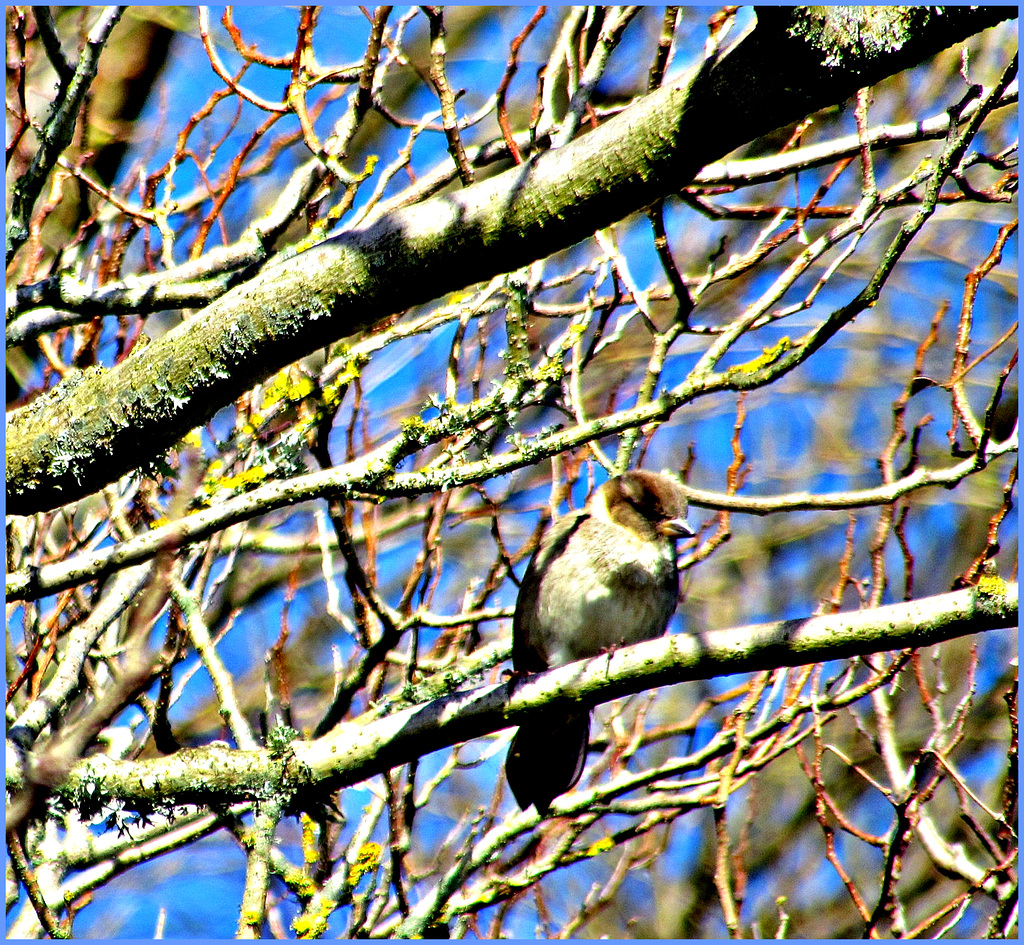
[604, 590]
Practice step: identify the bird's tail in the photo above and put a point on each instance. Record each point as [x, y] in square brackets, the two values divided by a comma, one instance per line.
[546, 758]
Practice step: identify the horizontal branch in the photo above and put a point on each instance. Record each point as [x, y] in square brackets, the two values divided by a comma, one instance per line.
[362, 475]
[354, 751]
[761, 170]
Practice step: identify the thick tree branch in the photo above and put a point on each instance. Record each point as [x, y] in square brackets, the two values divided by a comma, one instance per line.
[94, 427]
[358, 750]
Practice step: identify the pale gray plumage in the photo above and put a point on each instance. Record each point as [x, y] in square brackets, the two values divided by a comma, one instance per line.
[602, 577]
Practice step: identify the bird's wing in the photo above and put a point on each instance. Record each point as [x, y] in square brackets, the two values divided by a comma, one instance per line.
[527, 655]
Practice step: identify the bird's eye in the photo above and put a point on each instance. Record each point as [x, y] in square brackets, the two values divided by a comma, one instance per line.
[653, 509]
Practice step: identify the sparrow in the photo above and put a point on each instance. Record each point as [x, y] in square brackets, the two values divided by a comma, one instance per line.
[602, 577]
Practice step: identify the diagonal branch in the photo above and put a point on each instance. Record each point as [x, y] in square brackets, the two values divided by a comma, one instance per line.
[78, 438]
[60, 126]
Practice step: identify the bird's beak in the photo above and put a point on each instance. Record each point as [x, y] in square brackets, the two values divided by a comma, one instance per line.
[676, 528]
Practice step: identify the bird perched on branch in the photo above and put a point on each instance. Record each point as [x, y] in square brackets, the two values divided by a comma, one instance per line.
[602, 577]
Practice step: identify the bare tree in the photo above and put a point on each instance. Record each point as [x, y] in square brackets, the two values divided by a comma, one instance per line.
[304, 358]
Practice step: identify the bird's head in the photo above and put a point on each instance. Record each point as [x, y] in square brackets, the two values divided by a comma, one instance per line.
[647, 503]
